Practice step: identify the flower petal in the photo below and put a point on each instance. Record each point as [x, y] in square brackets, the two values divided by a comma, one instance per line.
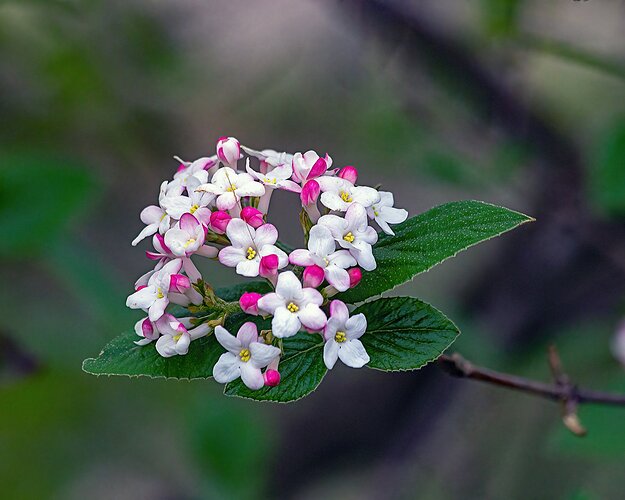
[247, 334]
[227, 368]
[337, 277]
[231, 256]
[320, 241]
[251, 376]
[267, 234]
[227, 340]
[339, 311]
[263, 354]
[330, 353]
[353, 354]
[312, 317]
[288, 285]
[270, 302]
[248, 268]
[301, 257]
[142, 299]
[356, 326]
[284, 323]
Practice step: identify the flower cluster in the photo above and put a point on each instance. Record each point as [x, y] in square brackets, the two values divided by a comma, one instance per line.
[212, 209]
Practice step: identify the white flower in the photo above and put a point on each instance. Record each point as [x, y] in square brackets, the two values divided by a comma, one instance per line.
[278, 178]
[153, 297]
[341, 335]
[195, 203]
[322, 252]
[156, 217]
[249, 245]
[175, 338]
[230, 187]
[269, 158]
[187, 238]
[188, 170]
[245, 357]
[384, 213]
[354, 234]
[339, 194]
[293, 307]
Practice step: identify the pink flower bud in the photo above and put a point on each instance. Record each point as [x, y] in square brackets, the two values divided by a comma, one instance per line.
[319, 168]
[269, 267]
[310, 193]
[179, 283]
[349, 173]
[272, 377]
[228, 151]
[140, 287]
[313, 276]
[249, 302]
[252, 216]
[355, 275]
[219, 221]
[147, 328]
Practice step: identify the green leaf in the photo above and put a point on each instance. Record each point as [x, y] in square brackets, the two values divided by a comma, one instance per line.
[233, 293]
[39, 196]
[423, 241]
[121, 357]
[607, 175]
[404, 333]
[301, 370]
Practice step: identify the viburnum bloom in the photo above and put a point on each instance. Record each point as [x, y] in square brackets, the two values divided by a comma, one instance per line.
[195, 202]
[156, 217]
[354, 234]
[269, 158]
[153, 298]
[309, 166]
[248, 246]
[228, 151]
[230, 187]
[187, 238]
[200, 169]
[293, 306]
[175, 337]
[384, 213]
[341, 335]
[245, 357]
[322, 252]
[278, 178]
[339, 194]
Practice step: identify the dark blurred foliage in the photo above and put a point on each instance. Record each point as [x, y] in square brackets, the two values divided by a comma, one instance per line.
[517, 102]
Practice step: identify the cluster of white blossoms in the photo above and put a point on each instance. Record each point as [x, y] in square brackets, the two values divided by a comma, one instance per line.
[212, 209]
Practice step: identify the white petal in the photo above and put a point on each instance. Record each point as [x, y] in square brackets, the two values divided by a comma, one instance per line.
[270, 302]
[333, 201]
[231, 256]
[182, 344]
[142, 299]
[228, 341]
[320, 241]
[226, 201]
[248, 268]
[263, 354]
[312, 317]
[158, 308]
[333, 184]
[353, 353]
[251, 376]
[145, 232]
[227, 368]
[393, 215]
[176, 239]
[151, 214]
[240, 233]
[337, 225]
[339, 312]
[342, 258]
[247, 334]
[330, 353]
[337, 277]
[166, 346]
[356, 326]
[364, 255]
[366, 196]
[311, 296]
[267, 234]
[283, 258]
[251, 189]
[288, 285]
[301, 257]
[386, 199]
[176, 206]
[284, 323]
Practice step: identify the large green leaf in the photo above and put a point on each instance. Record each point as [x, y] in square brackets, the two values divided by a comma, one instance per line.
[428, 239]
[301, 370]
[607, 175]
[122, 357]
[404, 333]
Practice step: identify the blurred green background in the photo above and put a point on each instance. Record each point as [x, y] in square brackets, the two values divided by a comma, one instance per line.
[517, 102]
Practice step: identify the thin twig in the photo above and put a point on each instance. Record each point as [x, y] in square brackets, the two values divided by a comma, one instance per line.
[457, 366]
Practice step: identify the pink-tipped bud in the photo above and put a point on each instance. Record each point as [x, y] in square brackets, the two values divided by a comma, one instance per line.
[310, 193]
[313, 276]
[140, 287]
[219, 221]
[252, 216]
[249, 302]
[228, 150]
[179, 283]
[272, 377]
[268, 267]
[355, 275]
[147, 328]
[349, 173]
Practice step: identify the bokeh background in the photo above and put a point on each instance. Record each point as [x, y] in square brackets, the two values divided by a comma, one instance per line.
[517, 102]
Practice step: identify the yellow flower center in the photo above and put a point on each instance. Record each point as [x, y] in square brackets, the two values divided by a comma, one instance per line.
[251, 253]
[245, 355]
[270, 181]
[231, 188]
[177, 337]
[349, 237]
[340, 337]
[194, 208]
[292, 307]
[189, 242]
[159, 294]
[345, 196]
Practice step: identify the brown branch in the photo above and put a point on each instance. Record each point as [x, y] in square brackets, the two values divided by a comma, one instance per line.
[562, 390]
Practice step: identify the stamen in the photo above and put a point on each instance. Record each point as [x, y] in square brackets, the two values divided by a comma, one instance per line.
[345, 196]
[251, 253]
[194, 208]
[177, 337]
[231, 188]
[349, 237]
[245, 355]
[189, 242]
[159, 294]
[292, 307]
[340, 337]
